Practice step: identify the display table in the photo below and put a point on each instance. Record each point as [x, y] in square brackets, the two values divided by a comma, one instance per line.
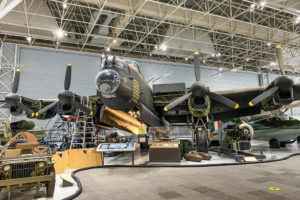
[166, 151]
[117, 147]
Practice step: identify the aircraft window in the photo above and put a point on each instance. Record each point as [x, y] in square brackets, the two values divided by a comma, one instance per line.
[121, 65]
[107, 62]
[134, 64]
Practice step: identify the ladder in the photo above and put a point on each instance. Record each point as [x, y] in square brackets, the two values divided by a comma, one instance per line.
[84, 129]
[60, 129]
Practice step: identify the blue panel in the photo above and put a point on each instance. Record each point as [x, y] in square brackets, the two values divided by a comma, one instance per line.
[185, 73]
[43, 72]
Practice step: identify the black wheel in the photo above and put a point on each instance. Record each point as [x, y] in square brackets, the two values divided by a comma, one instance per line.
[282, 144]
[201, 141]
[298, 139]
[50, 186]
[274, 143]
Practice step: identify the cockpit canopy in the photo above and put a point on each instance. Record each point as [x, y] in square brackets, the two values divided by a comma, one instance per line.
[116, 62]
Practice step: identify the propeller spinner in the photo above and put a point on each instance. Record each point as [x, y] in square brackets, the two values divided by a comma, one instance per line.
[200, 90]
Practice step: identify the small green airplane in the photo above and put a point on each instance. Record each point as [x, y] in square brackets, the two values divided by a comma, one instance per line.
[279, 130]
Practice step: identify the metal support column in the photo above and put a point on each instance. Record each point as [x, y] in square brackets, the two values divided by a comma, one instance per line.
[7, 70]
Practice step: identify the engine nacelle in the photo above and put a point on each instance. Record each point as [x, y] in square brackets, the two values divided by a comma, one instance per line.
[199, 102]
[15, 110]
[285, 94]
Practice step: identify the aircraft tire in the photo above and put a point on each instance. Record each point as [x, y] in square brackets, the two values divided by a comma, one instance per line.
[201, 141]
[274, 143]
[282, 144]
[50, 186]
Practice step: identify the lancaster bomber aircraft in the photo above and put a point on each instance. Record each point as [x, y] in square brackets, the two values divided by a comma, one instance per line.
[125, 100]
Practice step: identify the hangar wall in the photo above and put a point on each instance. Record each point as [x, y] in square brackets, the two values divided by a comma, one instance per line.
[45, 68]
[43, 73]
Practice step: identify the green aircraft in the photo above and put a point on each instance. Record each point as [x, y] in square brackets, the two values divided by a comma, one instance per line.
[279, 131]
[125, 100]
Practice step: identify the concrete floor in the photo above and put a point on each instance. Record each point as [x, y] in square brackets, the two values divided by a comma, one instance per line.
[220, 183]
[231, 182]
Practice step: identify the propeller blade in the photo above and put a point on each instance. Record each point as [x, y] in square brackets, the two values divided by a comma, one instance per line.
[280, 59]
[177, 101]
[46, 108]
[68, 77]
[197, 65]
[82, 107]
[16, 81]
[263, 96]
[27, 110]
[223, 100]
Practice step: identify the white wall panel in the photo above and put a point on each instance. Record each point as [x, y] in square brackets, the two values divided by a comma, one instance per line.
[185, 73]
[43, 72]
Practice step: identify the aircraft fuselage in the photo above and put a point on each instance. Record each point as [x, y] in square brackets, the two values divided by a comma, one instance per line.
[121, 86]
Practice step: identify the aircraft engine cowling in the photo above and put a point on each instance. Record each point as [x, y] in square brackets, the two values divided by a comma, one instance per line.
[199, 102]
[65, 98]
[15, 110]
[285, 94]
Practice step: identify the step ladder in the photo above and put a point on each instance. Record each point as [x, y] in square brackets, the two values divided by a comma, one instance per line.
[60, 129]
[84, 129]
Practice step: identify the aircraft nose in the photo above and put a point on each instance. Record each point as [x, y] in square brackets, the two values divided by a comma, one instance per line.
[107, 81]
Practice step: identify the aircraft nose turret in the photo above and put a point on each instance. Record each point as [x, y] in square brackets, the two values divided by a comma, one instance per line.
[107, 81]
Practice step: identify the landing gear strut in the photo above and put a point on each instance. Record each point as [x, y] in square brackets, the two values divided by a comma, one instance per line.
[201, 140]
[201, 135]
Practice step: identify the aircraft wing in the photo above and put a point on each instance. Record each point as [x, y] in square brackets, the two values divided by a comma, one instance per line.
[240, 96]
[94, 101]
[217, 110]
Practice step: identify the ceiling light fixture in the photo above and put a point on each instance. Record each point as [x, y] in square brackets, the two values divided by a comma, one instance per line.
[262, 4]
[65, 6]
[297, 21]
[28, 39]
[114, 41]
[163, 47]
[252, 7]
[59, 33]
[107, 49]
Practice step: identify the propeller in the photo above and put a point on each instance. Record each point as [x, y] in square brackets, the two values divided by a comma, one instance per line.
[272, 90]
[178, 101]
[15, 100]
[280, 59]
[197, 87]
[197, 65]
[66, 96]
[263, 96]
